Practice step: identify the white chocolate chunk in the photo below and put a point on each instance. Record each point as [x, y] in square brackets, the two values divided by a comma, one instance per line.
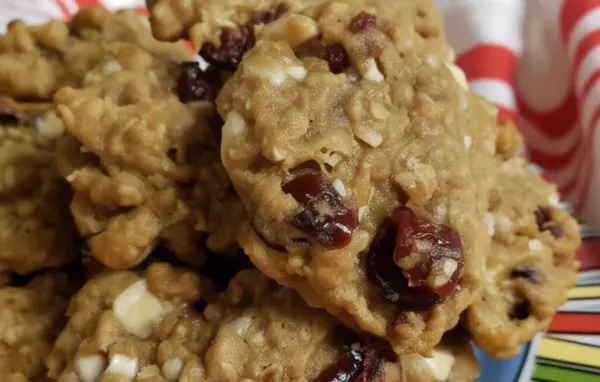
[363, 209]
[235, 123]
[378, 110]
[172, 368]
[536, 245]
[242, 325]
[502, 223]
[423, 246]
[372, 138]
[276, 77]
[468, 141]
[489, 221]
[138, 310]
[111, 67]
[458, 75]
[333, 159]
[277, 155]
[71, 177]
[90, 367]
[50, 126]
[372, 73]
[277, 73]
[338, 185]
[441, 211]
[450, 266]
[123, 365]
[361, 212]
[297, 72]
[294, 29]
[440, 364]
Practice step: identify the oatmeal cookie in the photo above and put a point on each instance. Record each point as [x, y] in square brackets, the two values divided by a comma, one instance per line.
[532, 265]
[31, 318]
[355, 161]
[222, 31]
[143, 326]
[123, 322]
[142, 158]
[36, 230]
[35, 61]
[276, 336]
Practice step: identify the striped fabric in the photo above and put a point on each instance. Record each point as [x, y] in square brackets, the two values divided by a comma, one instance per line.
[539, 62]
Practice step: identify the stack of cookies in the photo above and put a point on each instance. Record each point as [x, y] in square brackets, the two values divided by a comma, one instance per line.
[315, 196]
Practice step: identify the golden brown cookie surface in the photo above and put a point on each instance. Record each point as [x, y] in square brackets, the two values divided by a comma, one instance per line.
[35, 61]
[532, 264]
[31, 317]
[358, 163]
[142, 158]
[36, 231]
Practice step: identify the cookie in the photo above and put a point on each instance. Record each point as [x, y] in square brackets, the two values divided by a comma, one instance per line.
[149, 326]
[356, 162]
[532, 264]
[142, 159]
[31, 317]
[36, 230]
[122, 322]
[222, 31]
[35, 61]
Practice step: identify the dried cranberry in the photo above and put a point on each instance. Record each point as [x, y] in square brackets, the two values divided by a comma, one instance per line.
[345, 369]
[389, 278]
[194, 85]
[363, 21]
[528, 274]
[236, 42]
[357, 364]
[437, 248]
[414, 262]
[545, 222]
[521, 311]
[326, 215]
[373, 370]
[336, 57]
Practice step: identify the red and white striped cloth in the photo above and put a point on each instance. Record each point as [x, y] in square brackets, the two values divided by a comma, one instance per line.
[537, 60]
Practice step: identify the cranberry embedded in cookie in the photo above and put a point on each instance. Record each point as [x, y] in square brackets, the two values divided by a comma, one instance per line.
[351, 157]
[138, 325]
[143, 161]
[531, 266]
[324, 215]
[415, 264]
